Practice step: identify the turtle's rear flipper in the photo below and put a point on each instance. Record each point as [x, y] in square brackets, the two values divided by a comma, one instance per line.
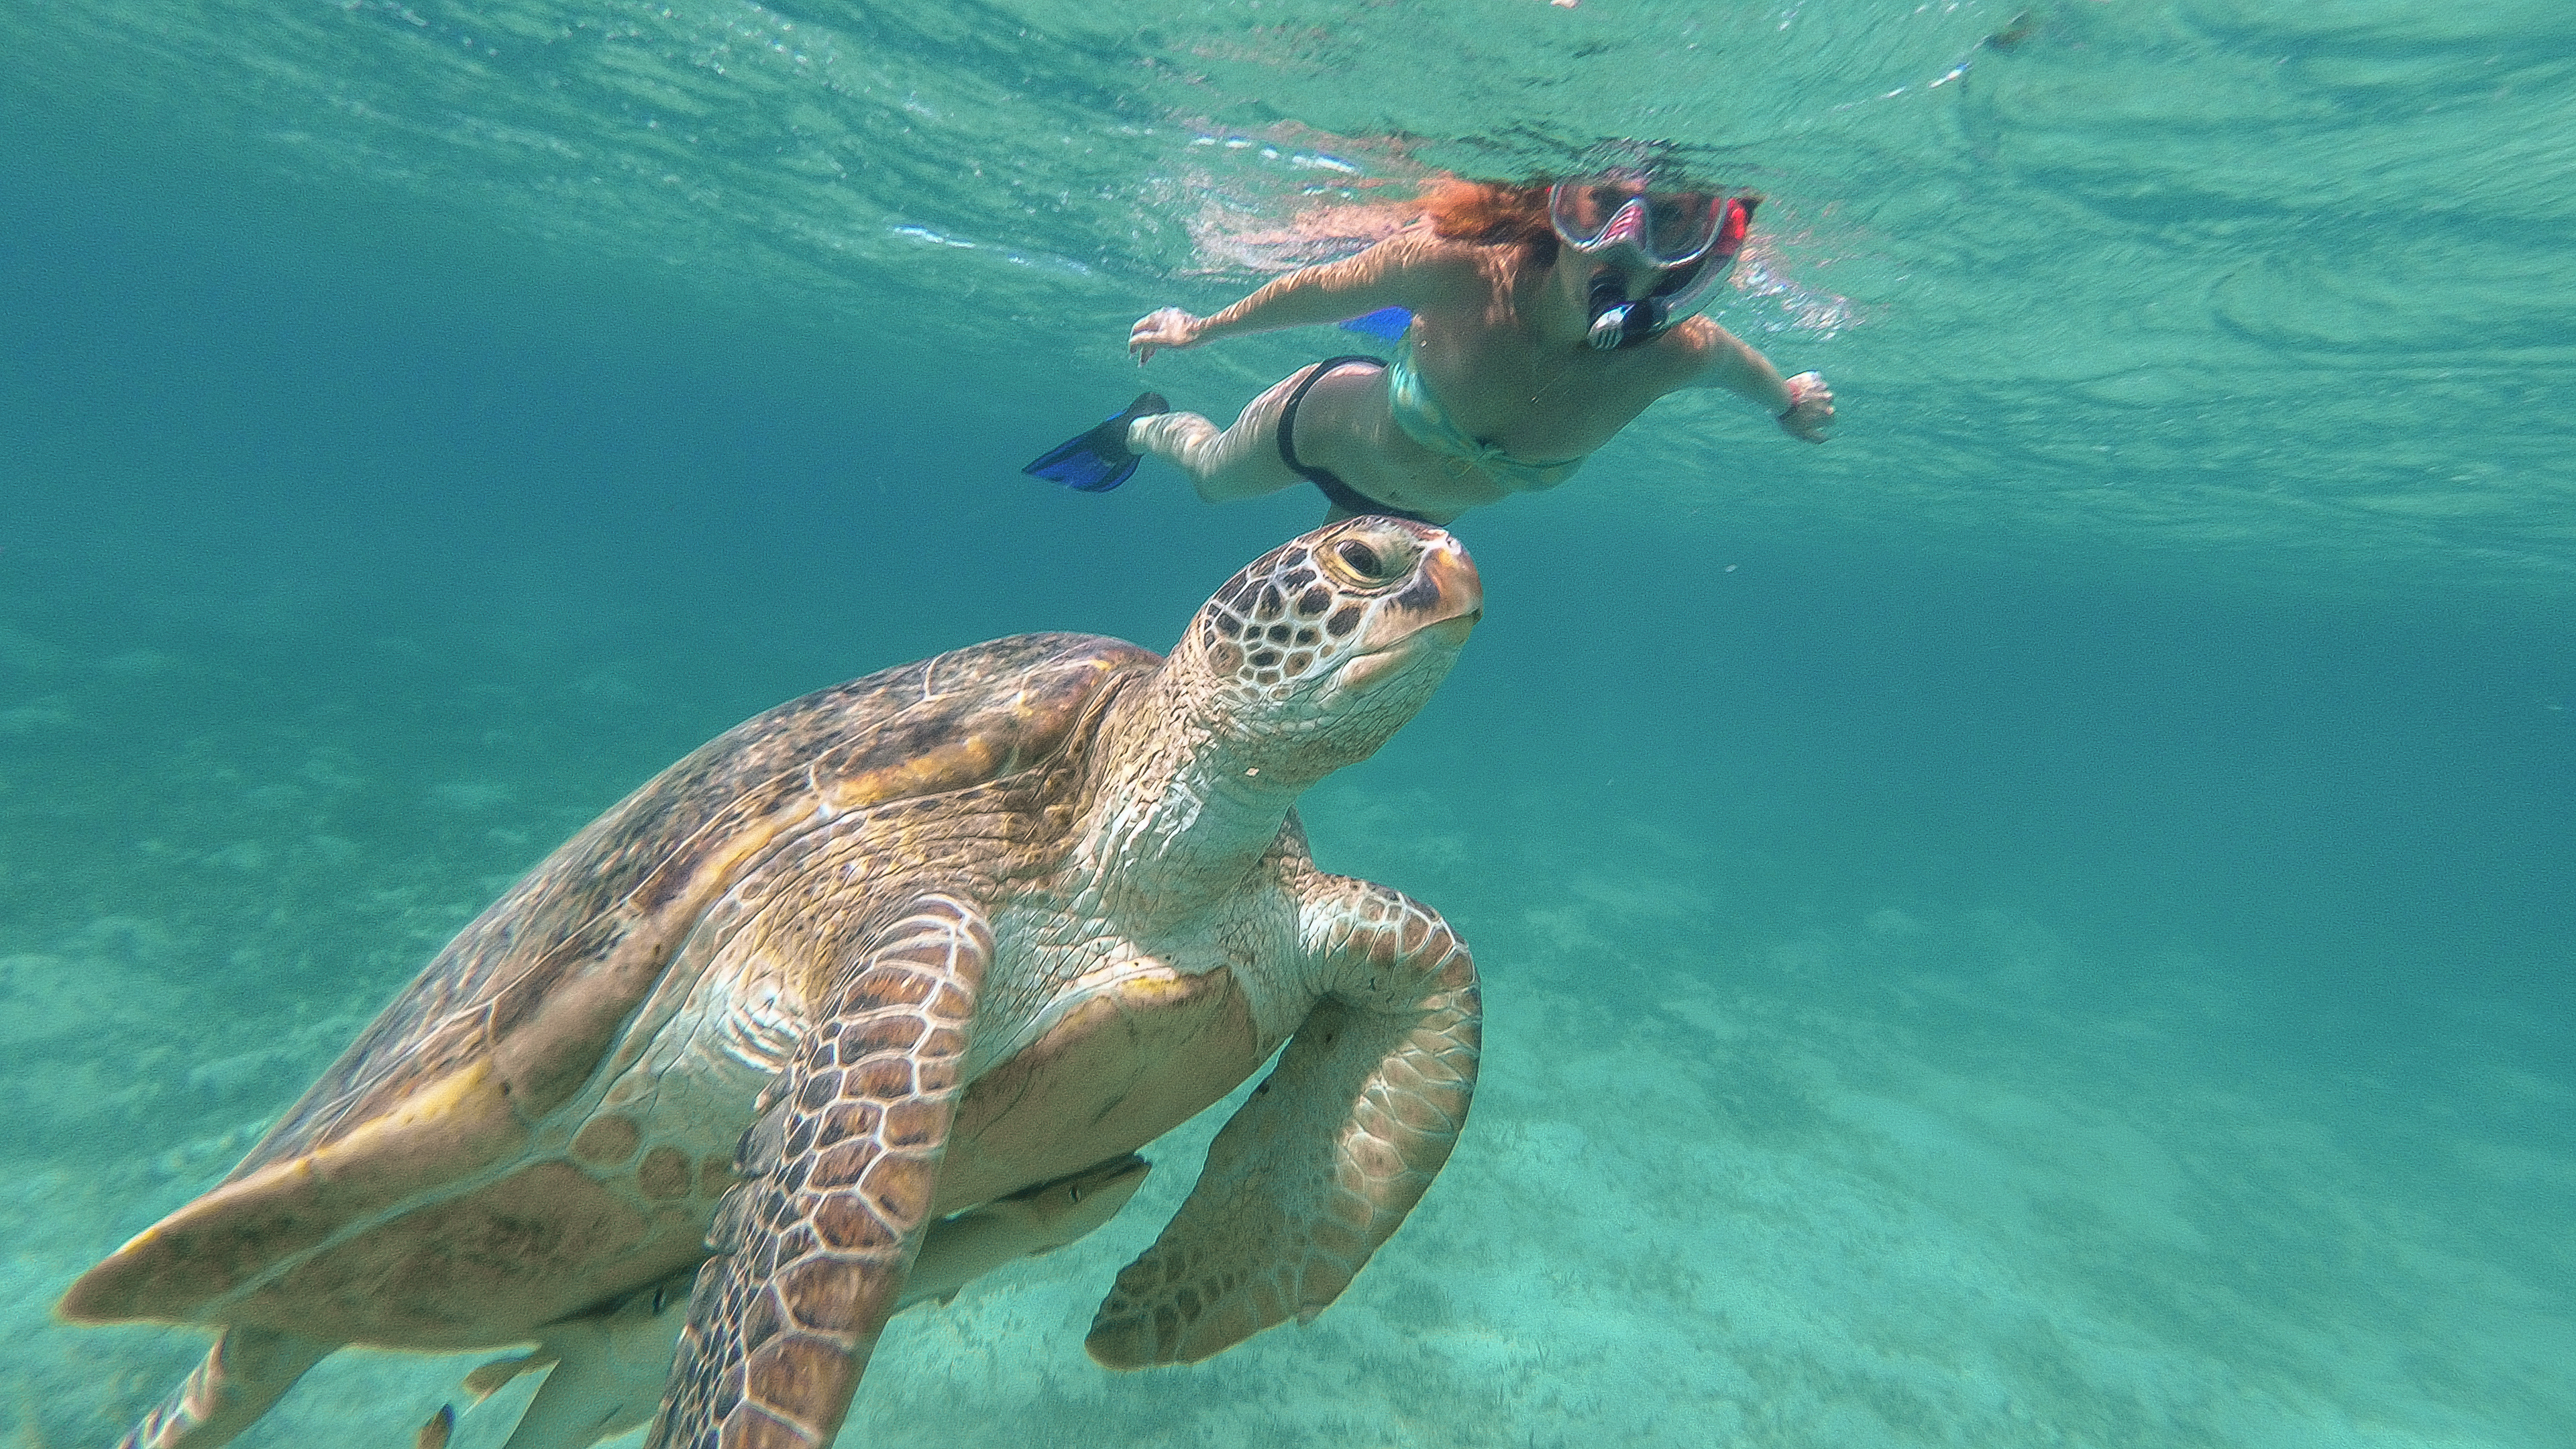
[838, 1174]
[1320, 1166]
[1031, 1222]
[245, 1372]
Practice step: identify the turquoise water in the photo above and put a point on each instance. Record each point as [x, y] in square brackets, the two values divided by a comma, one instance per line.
[2044, 921]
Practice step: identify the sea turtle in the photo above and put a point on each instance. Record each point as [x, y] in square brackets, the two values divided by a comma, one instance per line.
[881, 955]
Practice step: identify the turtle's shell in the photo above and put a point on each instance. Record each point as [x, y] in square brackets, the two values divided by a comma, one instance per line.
[456, 1079]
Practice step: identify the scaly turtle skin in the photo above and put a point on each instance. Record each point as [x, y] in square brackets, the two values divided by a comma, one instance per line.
[884, 954]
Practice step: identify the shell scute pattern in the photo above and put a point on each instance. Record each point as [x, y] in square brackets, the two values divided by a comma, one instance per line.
[520, 1009]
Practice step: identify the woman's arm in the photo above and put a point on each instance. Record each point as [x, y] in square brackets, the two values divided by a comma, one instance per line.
[1803, 404]
[1410, 269]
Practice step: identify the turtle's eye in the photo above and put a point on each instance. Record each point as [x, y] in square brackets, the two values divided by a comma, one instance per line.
[1367, 562]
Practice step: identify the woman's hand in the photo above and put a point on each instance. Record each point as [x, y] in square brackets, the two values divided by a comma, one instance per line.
[1811, 406]
[1170, 327]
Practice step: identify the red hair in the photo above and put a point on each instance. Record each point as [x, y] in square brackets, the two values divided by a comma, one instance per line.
[1492, 213]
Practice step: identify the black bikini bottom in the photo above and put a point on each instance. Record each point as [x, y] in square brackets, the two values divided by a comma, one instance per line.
[1342, 495]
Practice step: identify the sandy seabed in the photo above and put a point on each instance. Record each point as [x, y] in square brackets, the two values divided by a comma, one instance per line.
[1728, 1204]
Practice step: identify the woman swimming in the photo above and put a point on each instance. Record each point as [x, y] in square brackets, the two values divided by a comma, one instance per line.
[1544, 318]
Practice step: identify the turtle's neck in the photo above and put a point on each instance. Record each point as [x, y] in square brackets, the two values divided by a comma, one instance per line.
[1176, 816]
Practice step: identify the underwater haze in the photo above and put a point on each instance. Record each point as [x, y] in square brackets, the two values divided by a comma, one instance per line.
[2043, 921]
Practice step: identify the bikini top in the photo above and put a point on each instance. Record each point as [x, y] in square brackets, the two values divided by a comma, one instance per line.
[1419, 412]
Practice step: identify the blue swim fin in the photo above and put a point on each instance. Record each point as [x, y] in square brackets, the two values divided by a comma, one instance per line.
[1386, 322]
[1099, 459]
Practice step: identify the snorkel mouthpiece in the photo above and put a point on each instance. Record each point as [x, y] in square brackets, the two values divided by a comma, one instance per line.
[1616, 320]
[1608, 329]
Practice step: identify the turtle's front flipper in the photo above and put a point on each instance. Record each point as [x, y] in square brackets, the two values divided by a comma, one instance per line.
[1324, 1161]
[245, 1372]
[838, 1171]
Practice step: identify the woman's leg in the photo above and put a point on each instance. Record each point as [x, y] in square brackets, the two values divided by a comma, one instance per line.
[1225, 464]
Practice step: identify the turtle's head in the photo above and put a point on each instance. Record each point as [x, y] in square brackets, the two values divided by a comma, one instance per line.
[1317, 653]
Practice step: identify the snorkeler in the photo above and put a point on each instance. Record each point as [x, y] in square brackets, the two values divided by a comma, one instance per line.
[1543, 318]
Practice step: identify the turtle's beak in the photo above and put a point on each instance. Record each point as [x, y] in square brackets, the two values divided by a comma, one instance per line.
[1459, 595]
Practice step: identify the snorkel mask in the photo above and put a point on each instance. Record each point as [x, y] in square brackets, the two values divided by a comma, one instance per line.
[1692, 237]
